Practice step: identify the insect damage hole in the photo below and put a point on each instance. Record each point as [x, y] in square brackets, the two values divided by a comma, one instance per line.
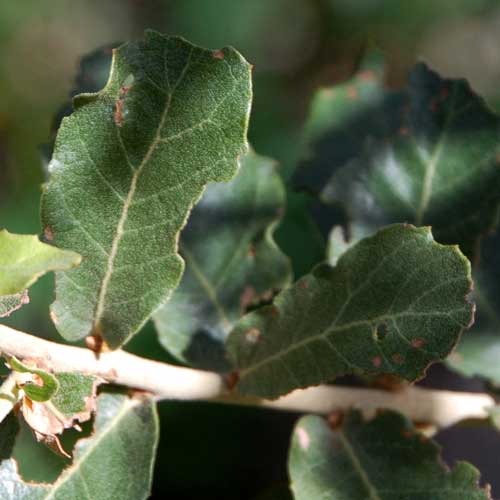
[380, 332]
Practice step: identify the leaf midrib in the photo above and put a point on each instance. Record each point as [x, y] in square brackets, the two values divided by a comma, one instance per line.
[128, 405]
[358, 467]
[100, 307]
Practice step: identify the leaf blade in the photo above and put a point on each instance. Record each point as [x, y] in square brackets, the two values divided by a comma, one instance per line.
[172, 118]
[389, 306]
[115, 462]
[231, 259]
[427, 154]
[24, 258]
[360, 460]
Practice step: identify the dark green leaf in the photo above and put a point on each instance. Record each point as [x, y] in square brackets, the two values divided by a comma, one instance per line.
[24, 258]
[478, 352]
[385, 458]
[426, 155]
[128, 166]
[394, 303]
[232, 263]
[9, 428]
[115, 462]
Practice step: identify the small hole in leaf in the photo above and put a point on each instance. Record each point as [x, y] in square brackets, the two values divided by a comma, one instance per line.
[380, 332]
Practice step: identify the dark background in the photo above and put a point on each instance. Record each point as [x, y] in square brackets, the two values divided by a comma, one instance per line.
[207, 450]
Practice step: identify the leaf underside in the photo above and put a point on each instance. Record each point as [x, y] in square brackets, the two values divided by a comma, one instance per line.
[427, 154]
[382, 459]
[128, 165]
[232, 262]
[115, 462]
[394, 303]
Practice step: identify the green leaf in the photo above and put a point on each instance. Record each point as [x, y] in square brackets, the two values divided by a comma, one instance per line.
[128, 166]
[428, 154]
[115, 462]
[35, 392]
[385, 458]
[11, 303]
[394, 303]
[232, 263]
[75, 394]
[478, 352]
[24, 258]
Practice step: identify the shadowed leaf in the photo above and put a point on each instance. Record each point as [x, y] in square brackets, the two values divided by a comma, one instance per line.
[428, 154]
[478, 352]
[385, 458]
[232, 263]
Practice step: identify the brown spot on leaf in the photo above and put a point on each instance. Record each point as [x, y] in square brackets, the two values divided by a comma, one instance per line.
[118, 116]
[444, 93]
[352, 92]
[253, 335]
[303, 438]
[247, 298]
[335, 419]
[377, 361]
[25, 298]
[231, 380]
[367, 75]
[218, 54]
[252, 252]
[304, 284]
[417, 343]
[274, 311]
[94, 343]
[397, 358]
[48, 233]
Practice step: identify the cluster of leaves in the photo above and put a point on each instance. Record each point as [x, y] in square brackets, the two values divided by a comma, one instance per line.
[128, 166]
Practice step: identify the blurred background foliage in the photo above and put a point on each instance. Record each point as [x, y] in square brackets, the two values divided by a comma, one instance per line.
[207, 451]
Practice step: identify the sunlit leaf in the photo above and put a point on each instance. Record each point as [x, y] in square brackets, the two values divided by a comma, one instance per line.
[128, 165]
[24, 258]
[394, 303]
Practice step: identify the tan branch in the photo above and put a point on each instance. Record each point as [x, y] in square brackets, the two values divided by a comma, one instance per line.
[435, 407]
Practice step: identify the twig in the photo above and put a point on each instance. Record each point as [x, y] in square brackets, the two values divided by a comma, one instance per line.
[435, 407]
[9, 395]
